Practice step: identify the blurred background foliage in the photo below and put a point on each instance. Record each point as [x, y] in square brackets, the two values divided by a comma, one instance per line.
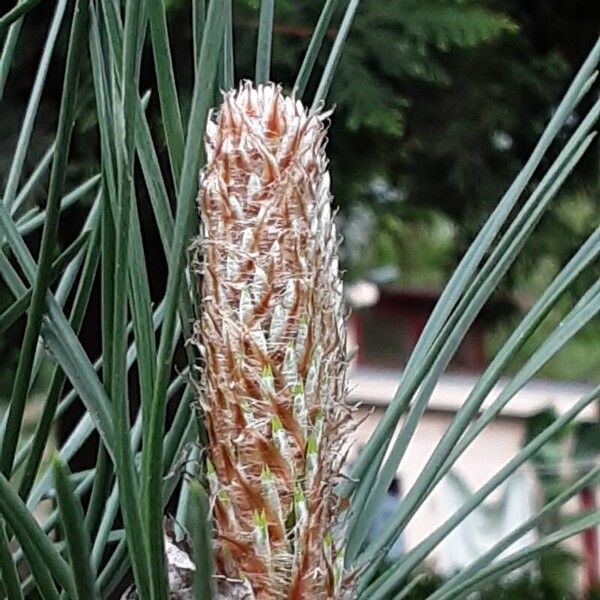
[438, 103]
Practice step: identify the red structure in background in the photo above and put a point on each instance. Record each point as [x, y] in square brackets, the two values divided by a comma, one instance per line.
[387, 332]
[587, 499]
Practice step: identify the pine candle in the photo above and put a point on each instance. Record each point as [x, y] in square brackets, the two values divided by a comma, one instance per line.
[272, 335]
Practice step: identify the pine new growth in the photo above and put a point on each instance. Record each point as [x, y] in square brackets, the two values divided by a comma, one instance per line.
[272, 338]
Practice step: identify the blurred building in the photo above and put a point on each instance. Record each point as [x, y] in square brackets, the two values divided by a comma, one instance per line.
[384, 327]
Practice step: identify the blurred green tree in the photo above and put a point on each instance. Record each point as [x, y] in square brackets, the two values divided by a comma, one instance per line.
[438, 103]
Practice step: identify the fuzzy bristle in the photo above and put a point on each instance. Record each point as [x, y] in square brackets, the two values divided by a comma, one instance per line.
[272, 335]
